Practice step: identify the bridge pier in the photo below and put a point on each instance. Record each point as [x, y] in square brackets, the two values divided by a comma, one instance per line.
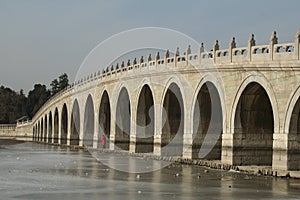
[157, 145]
[81, 127]
[132, 144]
[59, 129]
[96, 131]
[112, 142]
[280, 151]
[227, 148]
[187, 146]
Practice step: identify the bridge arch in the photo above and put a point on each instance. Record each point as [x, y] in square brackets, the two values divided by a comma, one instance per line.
[208, 114]
[145, 120]
[292, 129]
[104, 120]
[46, 128]
[50, 128]
[254, 121]
[75, 124]
[261, 80]
[56, 121]
[64, 124]
[42, 130]
[173, 115]
[123, 120]
[33, 133]
[89, 122]
[39, 130]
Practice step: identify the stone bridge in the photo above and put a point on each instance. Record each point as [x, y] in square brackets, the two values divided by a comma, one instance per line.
[238, 105]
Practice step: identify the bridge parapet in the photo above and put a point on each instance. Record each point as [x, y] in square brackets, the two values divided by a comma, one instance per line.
[7, 127]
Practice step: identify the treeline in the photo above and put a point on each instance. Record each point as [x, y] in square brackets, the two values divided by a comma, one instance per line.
[14, 105]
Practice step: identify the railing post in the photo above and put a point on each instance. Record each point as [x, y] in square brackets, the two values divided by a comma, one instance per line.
[216, 47]
[188, 52]
[157, 57]
[232, 45]
[176, 54]
[251, 43]
[273, 40]
[201, 50]
[166, 56]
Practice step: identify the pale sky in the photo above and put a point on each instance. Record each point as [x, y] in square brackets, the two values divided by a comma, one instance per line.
[41, 39]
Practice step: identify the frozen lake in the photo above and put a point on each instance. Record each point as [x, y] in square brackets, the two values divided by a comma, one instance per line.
[38, 171]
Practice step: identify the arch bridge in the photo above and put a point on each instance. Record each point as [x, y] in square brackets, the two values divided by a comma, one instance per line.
[238, 105]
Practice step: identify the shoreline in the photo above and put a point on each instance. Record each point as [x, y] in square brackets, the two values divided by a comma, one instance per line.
[212, 164]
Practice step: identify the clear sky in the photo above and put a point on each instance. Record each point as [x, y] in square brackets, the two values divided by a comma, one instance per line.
[41, 39]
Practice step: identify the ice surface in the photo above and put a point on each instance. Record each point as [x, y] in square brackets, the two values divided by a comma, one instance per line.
[38, 171]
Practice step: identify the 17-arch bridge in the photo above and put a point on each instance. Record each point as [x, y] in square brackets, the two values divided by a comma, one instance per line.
[145, 106]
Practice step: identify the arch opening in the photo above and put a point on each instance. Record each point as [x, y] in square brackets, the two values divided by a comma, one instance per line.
[145, 122]
[253, 127]
[123, 118]
[39, 131]
[173, 122]
[104, 121]
[33, 133]
[55, 137]
[46, 129]
[42, 130]
[294, 139]
[88, 131]
[207, 124]
[75, 124]
[64, 125]
[50, 128]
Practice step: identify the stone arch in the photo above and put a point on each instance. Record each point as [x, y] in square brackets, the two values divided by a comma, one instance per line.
[46, 128]
[145, 121]
[42, 130]
[56, 121]
[292, 101]
[75, 124]
[88, 128]
[33, 132]
[50, 128]
[173, 121]
[123, 120]
[64, 124]
[104, 120]
[292, 127]
[253, 127]
[39, 130]
[207, 122]
[260, 79]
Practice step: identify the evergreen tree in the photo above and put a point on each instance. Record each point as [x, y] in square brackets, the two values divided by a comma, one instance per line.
[63, 81]
[36, 98]
[54, 87]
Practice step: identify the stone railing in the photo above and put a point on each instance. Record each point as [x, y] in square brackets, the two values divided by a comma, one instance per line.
[7, 127]
[7, 130]
[252, 53]
[23, 122]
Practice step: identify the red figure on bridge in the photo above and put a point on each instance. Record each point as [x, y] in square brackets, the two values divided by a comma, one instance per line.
[103, 141]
